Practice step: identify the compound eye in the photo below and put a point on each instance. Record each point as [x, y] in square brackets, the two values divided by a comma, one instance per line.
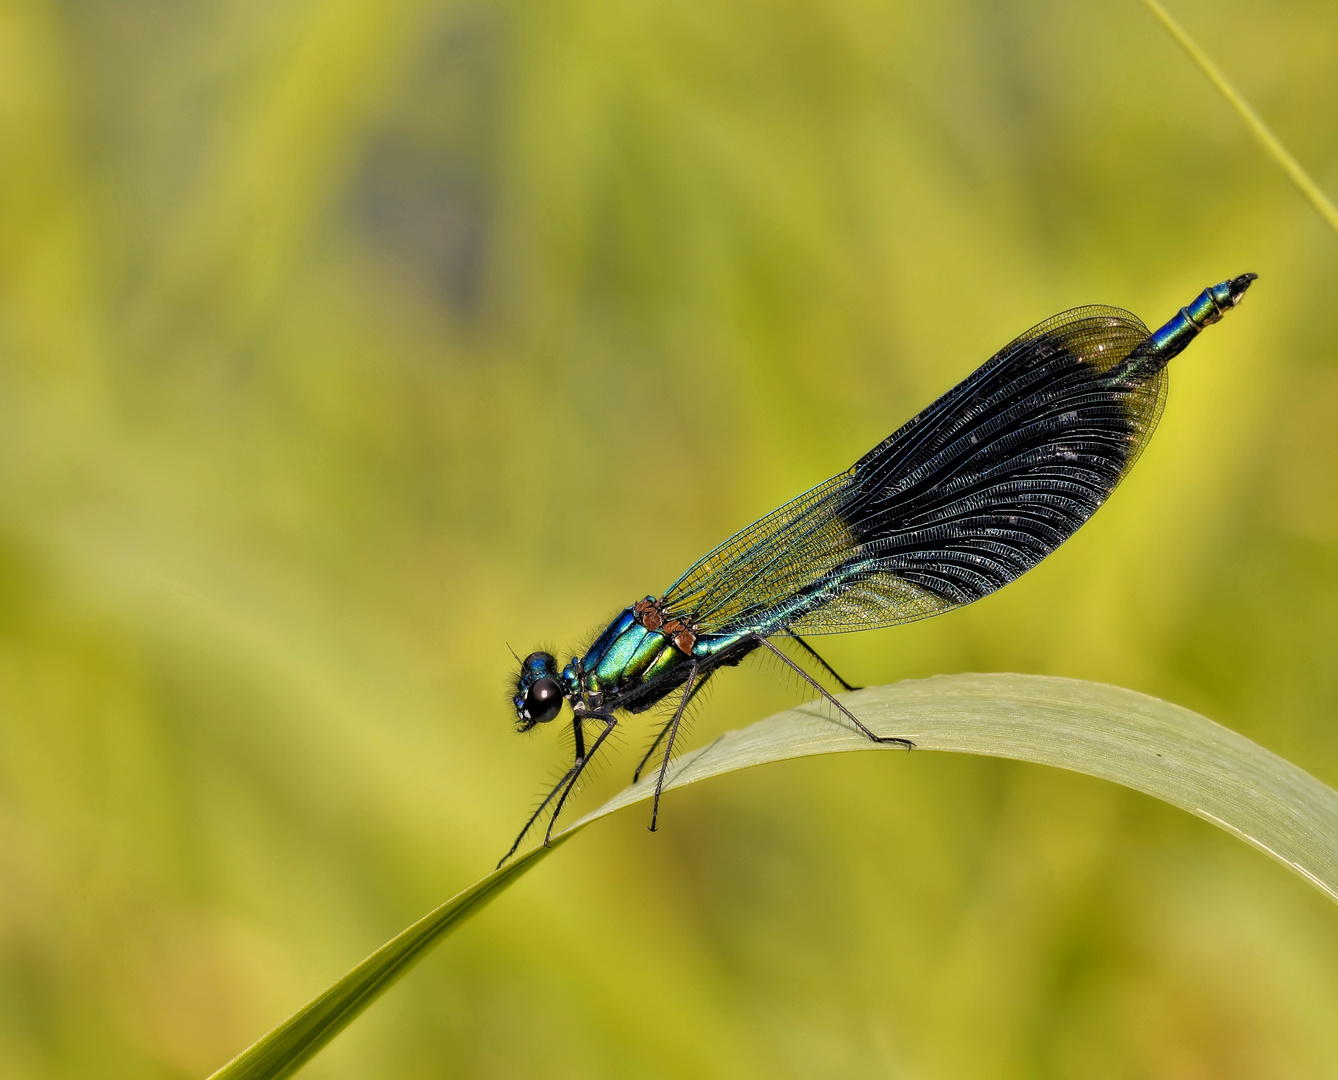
[541, 663]
[544, 701]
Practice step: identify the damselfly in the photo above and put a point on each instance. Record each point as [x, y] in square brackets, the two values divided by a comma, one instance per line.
[965, 497]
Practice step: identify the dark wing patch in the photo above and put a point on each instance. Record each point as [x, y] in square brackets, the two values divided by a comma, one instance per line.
[965, 497]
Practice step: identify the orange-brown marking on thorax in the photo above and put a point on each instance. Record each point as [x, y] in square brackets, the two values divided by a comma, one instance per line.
[677, 631]
[648, 614]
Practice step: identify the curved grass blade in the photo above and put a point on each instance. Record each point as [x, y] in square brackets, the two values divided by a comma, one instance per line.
[1271, 143]
[1141, 742]
[297, 1039]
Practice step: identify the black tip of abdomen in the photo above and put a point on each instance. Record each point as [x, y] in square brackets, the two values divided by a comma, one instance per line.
[1239, 285]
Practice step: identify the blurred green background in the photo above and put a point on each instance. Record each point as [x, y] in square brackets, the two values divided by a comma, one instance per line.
[344, 343]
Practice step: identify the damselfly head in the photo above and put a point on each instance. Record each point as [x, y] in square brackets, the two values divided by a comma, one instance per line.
[538, 693]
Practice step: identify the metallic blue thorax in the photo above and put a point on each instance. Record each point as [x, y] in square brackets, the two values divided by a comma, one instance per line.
[624, 656]
[629, 654]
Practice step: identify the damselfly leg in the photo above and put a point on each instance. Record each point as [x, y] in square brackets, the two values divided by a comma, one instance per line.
[669, 746]
[609, 724]
[664, 730]
[822, 690]
[562, 789]
[825, 666]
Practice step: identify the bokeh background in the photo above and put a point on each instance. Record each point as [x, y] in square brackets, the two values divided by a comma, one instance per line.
[343, 344]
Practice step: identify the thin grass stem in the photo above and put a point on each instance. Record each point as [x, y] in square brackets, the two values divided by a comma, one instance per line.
[1270, 142]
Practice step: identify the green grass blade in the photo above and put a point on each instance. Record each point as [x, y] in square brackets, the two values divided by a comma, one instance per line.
[299, 1037]
[1141, 742]
[1135, 740]
[1271, 143]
